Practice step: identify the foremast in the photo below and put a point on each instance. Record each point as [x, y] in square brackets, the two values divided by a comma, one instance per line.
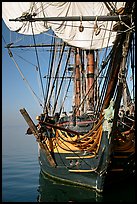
[84, 80]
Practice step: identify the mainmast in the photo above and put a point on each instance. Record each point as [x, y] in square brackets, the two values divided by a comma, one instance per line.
[77, 81]
[90, 79]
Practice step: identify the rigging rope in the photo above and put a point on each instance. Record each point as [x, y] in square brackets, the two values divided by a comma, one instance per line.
[66, 93]
[62, 51]
[11, 55]
[49, 79]
[69, 149]
[38, 62]
[55, 104]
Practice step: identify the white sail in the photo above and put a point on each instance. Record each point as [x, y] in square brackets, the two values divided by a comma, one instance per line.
[67, 30]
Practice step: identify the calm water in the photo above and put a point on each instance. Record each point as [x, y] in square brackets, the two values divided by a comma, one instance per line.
[22, 180]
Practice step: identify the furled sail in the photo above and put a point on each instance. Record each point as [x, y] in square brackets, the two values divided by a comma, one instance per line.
[96, 34]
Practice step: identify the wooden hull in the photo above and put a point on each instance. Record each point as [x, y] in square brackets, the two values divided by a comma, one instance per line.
[83, 170]
[122, 161]
[96, 172]
[91, 160]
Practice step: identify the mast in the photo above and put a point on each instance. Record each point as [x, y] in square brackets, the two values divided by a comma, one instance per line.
[96, 83]
[83, 81]
[90, 79]
[77, 81]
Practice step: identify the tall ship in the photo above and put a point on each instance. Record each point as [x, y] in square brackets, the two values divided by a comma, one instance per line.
[85, 66]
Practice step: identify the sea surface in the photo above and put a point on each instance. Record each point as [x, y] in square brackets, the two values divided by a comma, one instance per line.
[22, 180]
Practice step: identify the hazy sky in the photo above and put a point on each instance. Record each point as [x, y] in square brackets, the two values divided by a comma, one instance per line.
[15, 93]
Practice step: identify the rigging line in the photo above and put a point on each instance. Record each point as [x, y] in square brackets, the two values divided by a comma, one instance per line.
[83, 40]
[4, 40]
[107, 41]
[100, 98]
[106, 74]
[108, 7]
[132, 51]
[123, 23]
[11, 55]
[45, 23]
[42, 7]
[90, 27]
[57, 56]
[38, 62]
[62, 51]
[71, 141]
[67, 138]
[65, 94]
[77, 26]
[45, 6]
[112, 7]
[105, 84]
[56, 143]
[59, 138]
[132, 28]
[108, 38]
[52, 69]
[59, 141]
[50, 73]
[17, 39]
[55, 104]
[91, 41]
[116, 72]
[25, 60]
[103, 90]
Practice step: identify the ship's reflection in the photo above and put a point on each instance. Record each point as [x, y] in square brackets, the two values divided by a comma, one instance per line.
[51, 191]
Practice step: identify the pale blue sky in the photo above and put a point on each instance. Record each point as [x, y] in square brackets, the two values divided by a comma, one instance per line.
[15, 93]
